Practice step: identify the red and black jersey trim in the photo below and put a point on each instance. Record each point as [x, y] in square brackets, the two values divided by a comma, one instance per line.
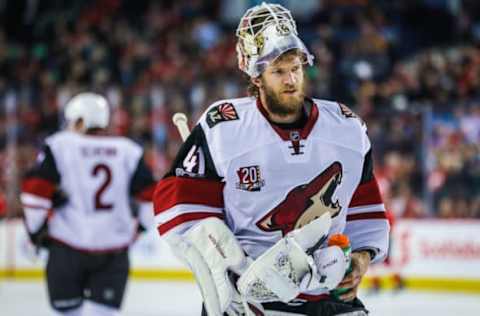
[38, 186]
[172, 191]
[42, 180]
[146, 195]
[88, 250]
[186, 217]
[367, 169]
[367, 193]
[367, 215]
[45, 168]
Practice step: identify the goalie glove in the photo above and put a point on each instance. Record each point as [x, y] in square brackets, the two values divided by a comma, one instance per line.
[59, 199]
[40, 238]
[287, 268]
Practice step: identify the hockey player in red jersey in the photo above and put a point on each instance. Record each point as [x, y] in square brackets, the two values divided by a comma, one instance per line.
[262, 181]
[77, 202]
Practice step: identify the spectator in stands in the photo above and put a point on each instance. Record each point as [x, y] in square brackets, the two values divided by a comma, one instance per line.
[144, 55]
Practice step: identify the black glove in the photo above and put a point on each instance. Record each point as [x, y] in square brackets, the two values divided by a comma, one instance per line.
[59, 199]
[141, 229]
[40, 238]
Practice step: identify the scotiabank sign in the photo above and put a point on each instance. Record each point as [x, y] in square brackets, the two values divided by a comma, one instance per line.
[461, 250]
[436, 248]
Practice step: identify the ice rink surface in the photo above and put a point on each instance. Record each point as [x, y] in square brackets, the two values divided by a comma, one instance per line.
[151, 298]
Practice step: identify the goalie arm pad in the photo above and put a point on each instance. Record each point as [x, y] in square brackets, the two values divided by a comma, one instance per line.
[210, 249]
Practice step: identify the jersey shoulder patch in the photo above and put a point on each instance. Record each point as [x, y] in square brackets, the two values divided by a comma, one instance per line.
[348, 113]
[221, 113]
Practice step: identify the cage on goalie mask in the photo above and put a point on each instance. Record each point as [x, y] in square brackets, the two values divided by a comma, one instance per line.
[264, 33]
[92, 108]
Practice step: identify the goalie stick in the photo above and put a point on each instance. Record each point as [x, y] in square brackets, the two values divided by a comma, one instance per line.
[181, 123]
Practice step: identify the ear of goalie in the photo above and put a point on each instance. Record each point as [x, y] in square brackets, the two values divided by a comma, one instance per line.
[286, 269]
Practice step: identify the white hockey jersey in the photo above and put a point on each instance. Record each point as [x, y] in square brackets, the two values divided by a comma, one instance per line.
[265, 180]
[98, 175]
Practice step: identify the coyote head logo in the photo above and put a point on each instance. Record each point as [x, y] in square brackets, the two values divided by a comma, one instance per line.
[305, 202]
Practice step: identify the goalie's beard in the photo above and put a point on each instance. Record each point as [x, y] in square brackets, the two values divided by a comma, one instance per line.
[282, 105]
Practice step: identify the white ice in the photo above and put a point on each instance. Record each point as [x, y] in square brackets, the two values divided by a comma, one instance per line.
[151, 298]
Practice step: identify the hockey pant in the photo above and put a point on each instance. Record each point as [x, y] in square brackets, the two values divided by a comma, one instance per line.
[326, 307]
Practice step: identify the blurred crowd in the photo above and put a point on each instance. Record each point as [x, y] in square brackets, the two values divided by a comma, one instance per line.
[410, 69]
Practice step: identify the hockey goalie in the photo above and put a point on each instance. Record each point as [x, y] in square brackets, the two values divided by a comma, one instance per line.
[261, 183]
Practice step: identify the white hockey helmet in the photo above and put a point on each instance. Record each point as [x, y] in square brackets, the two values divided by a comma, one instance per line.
[265, 32]
[92, 108]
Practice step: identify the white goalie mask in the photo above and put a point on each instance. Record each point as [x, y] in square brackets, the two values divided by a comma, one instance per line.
[92, 108]
[265, 32]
